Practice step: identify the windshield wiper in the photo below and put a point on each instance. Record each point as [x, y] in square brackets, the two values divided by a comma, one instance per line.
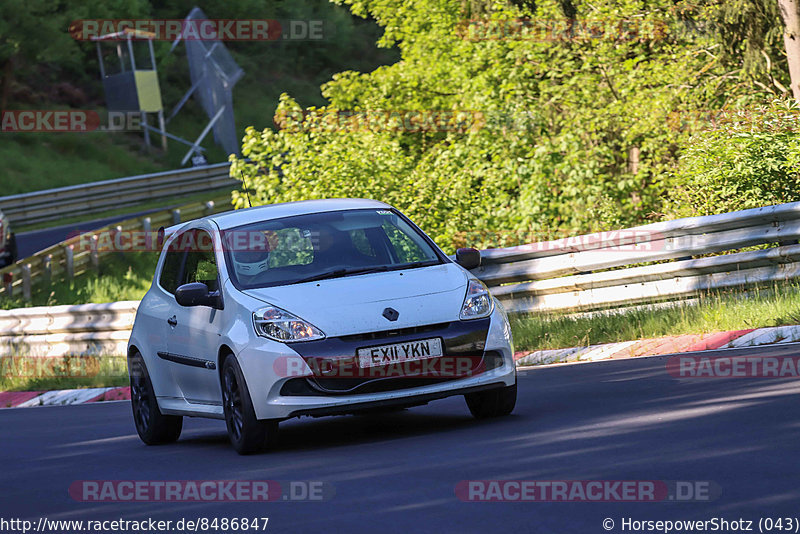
[424, 263]
[338, 273]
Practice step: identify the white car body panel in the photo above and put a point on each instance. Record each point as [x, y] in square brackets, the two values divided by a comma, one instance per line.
[344, 306]
[339, 307]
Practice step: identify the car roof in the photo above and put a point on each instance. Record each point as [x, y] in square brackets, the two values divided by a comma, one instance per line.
[234, 218]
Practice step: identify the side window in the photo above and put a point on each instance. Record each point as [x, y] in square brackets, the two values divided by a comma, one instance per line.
[405, 248]
[171, 270]
[201, 264]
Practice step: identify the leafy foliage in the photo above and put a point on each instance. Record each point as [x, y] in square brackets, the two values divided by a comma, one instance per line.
[577, 134]
[752, 159]
[33, 33]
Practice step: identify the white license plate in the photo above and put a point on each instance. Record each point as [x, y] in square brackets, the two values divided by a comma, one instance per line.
[400, 352]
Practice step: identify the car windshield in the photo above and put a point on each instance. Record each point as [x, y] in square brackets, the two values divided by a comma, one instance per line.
[324, 245]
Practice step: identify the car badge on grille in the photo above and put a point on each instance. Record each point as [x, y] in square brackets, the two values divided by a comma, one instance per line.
[391, 314]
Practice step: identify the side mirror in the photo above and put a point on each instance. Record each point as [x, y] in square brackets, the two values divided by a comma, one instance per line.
[196, 294]
[468, 258]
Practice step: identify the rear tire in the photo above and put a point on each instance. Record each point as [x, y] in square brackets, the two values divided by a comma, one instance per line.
[153, 427]
[10, 255]
[493, 403]
[247, 433]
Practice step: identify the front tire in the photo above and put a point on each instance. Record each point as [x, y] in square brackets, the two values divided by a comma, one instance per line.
[493, 403]
[153, 427]
[247, 433]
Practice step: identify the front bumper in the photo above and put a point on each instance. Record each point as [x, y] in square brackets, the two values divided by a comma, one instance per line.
[282, 384]
[406, 401]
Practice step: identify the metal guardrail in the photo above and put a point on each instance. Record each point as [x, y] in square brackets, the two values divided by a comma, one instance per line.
[96, 197]
[86, 329]
[605, 270]
[580, 273]
[77, 255]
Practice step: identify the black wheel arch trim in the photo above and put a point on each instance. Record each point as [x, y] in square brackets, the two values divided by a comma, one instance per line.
[187, 360]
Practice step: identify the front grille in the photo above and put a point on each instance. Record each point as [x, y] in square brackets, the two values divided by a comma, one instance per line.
[320, 386]
[462, 344]
[317, 388]
[410, 331]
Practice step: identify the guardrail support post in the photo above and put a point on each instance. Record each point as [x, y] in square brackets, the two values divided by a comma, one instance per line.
[26, 281]
[69, 264]
[47, 266]
[8, 282]
[118, 245]
[176, 216]
[93, 254]
[148, 239]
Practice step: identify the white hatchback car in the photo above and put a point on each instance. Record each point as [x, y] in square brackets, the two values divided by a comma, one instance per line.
[321, 307]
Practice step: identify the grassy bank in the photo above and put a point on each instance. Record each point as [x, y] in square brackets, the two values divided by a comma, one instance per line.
[122, 276]
[67, 372]
[34, 161]
[711, 312]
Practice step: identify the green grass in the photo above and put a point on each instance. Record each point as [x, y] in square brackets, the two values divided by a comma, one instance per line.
[63, 372]
[714, 312]
[122, 276]
[34, 161]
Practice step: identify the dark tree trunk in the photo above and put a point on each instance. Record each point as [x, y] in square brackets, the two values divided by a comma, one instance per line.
[790, 13]
[8, 77]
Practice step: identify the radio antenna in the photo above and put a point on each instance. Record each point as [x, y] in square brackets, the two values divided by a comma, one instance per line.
[246, 190]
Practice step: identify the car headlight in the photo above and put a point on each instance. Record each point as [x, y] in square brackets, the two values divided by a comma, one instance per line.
[477, 302]
[280, 325]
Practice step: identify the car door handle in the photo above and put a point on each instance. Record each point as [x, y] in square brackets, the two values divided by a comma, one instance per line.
[173, 321]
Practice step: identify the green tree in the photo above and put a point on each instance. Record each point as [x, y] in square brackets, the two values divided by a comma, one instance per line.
[579, 101]
[750, 158]
[34, 34]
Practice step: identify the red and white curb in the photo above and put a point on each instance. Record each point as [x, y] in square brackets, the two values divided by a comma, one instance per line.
[607, 351]
[27, 399]
[662, 345]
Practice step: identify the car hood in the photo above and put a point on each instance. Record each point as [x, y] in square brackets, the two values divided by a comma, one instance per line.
[355, 304]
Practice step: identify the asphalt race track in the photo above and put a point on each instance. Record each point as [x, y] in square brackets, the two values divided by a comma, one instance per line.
[29, 243]
[396, 472]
